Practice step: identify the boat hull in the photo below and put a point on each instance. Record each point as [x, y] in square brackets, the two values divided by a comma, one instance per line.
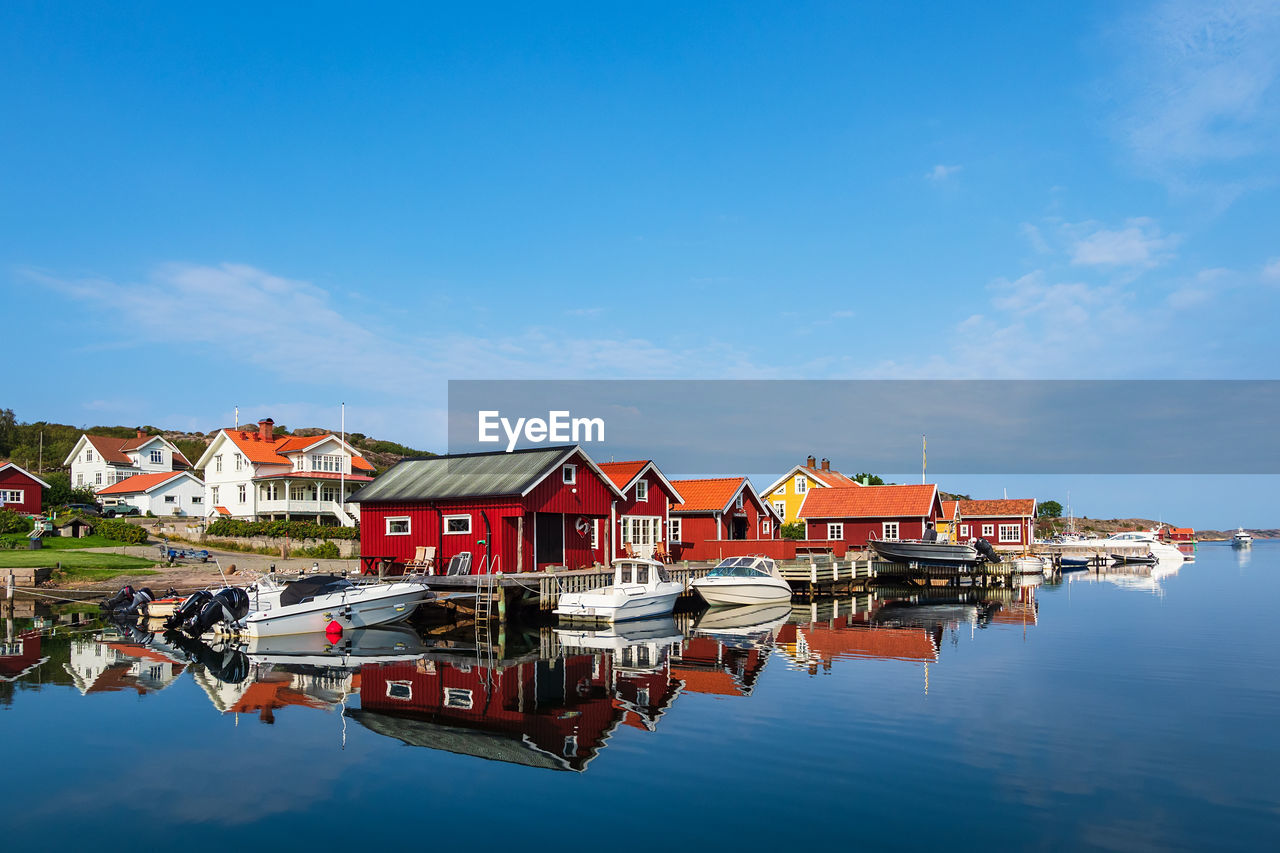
[589, 607]
[926, 553]
[729, 591]
[383, 607]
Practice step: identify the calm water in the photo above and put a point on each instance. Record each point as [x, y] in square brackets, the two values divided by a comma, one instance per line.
[1121, 712]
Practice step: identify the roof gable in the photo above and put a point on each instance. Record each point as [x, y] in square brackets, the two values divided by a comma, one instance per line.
[817, 476]
[624, 475]
[6, 466]
[910, 501]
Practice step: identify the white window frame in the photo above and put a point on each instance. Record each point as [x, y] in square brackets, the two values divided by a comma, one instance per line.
[244, 493]
[801, 484]
[171, 499]
[1016, 534]
[886, 526]
[197, 499]
[458, 697]
[79, 480]
[835, 531]
[988, 530]
[405, 685]
[569, 475]
[642, 491]
[964, 531]
[214, 495]
[595, 533]
[88, 454]
[217, 464]
[673, 529]
[781, 507]
[97, 478]
[449, 518]
[740, 501]
[765, 528]
[408, 525]
[157, 457]
[11, 496]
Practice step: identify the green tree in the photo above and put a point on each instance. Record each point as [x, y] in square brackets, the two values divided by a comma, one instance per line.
[8, 432]
[1050, 509]
[61, 493]
[868, 479]
[793, 530]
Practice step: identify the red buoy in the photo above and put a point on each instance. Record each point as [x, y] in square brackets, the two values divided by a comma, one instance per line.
[333, 630]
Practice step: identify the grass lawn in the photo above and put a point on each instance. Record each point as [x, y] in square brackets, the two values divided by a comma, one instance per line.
[65, 543]
[74, 561]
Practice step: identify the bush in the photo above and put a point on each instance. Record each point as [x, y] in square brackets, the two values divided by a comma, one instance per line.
[121, 531]
[323, 551]
[793, 530]
[12, 522]
[280, 529]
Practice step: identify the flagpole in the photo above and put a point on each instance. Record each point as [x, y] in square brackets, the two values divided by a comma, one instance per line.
[924, 458]
[342, 469]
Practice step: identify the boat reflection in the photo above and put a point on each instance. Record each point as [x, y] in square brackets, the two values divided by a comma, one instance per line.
[1147, 579]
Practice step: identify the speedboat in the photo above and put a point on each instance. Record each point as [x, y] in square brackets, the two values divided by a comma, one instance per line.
[1160, 550]
[641, 587]
[1135, 559]
[314, 603]
[385, 644]
[1242, 539]
[743, 580]
[926, 553]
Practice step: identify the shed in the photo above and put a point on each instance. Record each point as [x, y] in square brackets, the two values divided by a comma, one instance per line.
[850, 517]
[76, 527]
[20, 490]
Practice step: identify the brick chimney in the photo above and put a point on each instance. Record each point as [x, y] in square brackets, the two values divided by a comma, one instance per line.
[266, 429]
[811, 462]
[826, 464]
[141, 434]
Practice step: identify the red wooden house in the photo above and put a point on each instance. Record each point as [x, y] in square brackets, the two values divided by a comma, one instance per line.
[718, 510]
[514, 512]
[848, 518]
[642, 516]
[1010, 522]
[21, 491]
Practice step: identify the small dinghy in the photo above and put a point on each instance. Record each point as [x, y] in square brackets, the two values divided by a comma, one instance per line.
[1134, 559]
[1074, 564]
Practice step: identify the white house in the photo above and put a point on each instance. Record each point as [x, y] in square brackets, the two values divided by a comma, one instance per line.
[255, 475]
[161, 493]
[98, 461]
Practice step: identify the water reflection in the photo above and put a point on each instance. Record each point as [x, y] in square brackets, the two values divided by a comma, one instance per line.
[1146, 579]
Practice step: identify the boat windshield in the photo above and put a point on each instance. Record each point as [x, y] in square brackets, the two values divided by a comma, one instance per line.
[741, 567]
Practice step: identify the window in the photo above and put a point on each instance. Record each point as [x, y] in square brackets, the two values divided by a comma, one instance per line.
[802, 484]
[269, 492]
[890, 530]
[217, 463]
[97, 478]
[642, 572]
[238, 458]
[457, 524]
[595, 533]
[457, 697]
[299, 493]
[214, 496]
[673, 530]
[988, 530]
[157, 457]
[171, 499]
[571, 746]
[835, 530]
[398, 526]
[737, 502]
[781, 507]
[329, 493]
[642, 490]
[964, 531]
[197, 499]
[11, 496]
[1011, 533]
[765, 528]
[244, 493]
[780, 491]
[88, 455]
[79, 479]
[402, 690]
[570, 474]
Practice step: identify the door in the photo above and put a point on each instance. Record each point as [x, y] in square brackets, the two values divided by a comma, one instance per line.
[549, 538]
[642, 533]
[739, 529]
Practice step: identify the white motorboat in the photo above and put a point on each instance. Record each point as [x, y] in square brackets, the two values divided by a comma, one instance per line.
[1241, 539]
[1162, 551]
[1030, 564]
[312, 604]
[743, 580]
[641, 587]
[385, 644]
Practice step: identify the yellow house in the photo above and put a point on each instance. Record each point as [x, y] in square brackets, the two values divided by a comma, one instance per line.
[947, 521]
[788, 492]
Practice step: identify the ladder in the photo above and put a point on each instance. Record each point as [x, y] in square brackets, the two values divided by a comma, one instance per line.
[485, 590]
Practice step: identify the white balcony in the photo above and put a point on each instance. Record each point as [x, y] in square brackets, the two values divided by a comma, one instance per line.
[305, 508]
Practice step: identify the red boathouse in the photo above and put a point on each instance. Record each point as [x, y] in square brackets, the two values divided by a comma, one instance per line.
[21, 491]
[718, 510]
[642, 517]
[849, 518]
[513, 512]
[1008, 521]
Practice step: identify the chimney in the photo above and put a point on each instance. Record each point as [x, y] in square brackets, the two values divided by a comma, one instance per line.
[266, 429]
[141, 434]
[811, 462]
[826, 464]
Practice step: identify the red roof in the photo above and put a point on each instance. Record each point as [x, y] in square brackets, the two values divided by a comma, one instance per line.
[262, 452]
[870, 502]
[222, 510]
[140, 483]
[622, 473]
[1003, 508]
[846, 641]
[832, 478]
[113, 449]
[706, 495]
[949, 510]
[316, 475]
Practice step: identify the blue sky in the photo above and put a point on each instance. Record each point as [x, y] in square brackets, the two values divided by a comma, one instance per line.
[286, 207]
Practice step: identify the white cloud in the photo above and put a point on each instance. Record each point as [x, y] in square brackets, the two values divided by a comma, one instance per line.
[1271, 270]
[941, 172]
[1035, 238]
[1138, 244]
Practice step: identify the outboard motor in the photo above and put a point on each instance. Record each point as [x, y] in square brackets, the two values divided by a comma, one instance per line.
[120, 599]
[188, 609]
[985, 550]
[228, 605]
[140, 600]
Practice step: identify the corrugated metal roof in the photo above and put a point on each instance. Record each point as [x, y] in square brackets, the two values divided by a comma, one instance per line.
[470, 475]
